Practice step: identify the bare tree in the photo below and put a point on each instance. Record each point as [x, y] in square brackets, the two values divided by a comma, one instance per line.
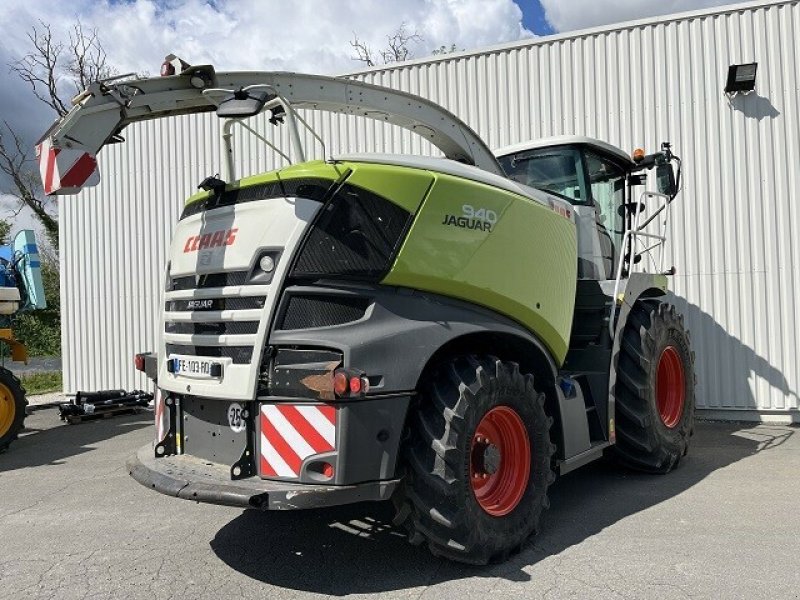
[363, 51]
[49, 67]
[15, 163]
[80, 60]
[397, 47]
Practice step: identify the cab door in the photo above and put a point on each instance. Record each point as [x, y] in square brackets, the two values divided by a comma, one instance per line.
[607, 184]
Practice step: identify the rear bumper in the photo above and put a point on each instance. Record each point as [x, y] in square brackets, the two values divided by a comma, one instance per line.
[190, 478]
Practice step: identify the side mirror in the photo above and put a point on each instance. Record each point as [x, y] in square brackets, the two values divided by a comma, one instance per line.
[665, 180]
[242, 104]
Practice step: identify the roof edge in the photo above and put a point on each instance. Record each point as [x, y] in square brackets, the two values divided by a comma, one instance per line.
[560, 37]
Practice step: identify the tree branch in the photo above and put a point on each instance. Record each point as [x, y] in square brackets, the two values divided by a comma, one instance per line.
[363, 51]
[398, 49]
[14, 162]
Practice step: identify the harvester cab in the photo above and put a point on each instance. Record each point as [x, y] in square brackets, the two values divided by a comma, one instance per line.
[21, 289]
[601, 183]
[446, 332]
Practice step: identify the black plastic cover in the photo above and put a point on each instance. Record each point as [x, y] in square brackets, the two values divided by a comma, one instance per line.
[355, 236]
[315, 310]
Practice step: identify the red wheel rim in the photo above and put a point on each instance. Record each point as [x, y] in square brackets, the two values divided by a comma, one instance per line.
[500, 461]
[670, 387]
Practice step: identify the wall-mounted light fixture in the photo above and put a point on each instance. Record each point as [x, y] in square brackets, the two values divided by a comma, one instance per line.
[741, 79]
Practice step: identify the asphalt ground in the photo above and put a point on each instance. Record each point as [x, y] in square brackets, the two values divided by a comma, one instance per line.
[73, 524]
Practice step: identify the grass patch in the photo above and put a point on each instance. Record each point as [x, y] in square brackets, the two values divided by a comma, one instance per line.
[42, 382]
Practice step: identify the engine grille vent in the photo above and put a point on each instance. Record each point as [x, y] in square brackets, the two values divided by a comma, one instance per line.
[226, 328]
[209, 280]
[305, 312]
[356, 235]
[313, 188]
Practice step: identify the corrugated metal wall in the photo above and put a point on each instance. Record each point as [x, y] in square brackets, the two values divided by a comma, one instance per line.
[734, 234]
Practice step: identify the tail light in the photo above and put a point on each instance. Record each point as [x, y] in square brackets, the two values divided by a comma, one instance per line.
[350, 383]
[138, 362]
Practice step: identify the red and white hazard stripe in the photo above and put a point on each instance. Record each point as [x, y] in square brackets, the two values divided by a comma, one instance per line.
[162, 417]
[63, 169]
[290, 433]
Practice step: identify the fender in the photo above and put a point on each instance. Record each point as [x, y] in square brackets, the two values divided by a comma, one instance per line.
[400, 332]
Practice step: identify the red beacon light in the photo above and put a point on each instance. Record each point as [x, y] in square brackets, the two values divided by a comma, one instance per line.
[173, 65]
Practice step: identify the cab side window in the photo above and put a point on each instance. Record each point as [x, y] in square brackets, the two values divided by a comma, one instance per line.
[607, 183]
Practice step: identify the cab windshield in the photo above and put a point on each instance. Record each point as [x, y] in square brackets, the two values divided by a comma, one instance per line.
[553, 170]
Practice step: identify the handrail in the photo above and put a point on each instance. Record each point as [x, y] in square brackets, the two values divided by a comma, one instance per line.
[631, 237]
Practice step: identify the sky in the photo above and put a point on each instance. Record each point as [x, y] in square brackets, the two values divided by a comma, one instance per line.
[301, 35]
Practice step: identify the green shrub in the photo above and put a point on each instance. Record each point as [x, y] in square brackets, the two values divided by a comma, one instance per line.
[40, 330]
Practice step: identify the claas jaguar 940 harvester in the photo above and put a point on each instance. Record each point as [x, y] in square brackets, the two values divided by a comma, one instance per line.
[447, 332]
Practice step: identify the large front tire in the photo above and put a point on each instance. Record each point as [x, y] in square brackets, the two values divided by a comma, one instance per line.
[478, 461]
[12, 407]
[655, 389]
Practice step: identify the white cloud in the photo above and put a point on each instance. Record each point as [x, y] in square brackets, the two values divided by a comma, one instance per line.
[302, 35]
[299, 35]
[578, 14]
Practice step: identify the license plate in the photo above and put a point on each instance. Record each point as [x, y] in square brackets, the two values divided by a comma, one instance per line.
[197, 368]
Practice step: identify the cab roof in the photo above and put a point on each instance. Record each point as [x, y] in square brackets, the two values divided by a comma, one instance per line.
[566, 140]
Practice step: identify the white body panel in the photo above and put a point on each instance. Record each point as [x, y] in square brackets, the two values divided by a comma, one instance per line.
[265, 224]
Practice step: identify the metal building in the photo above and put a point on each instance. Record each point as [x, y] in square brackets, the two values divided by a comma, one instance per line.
[735, 232]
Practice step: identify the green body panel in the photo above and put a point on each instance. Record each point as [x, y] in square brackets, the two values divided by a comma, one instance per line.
[523, 266]
[403, 186]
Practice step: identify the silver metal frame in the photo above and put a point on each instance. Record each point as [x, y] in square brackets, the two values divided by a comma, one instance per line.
[105, 109]
[633, 236]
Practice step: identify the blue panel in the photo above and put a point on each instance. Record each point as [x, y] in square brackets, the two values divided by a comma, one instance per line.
[29, 269]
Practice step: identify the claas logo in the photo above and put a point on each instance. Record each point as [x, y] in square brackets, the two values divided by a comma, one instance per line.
[215, 239]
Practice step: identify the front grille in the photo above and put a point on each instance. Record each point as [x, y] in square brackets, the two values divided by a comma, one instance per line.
[305, 312]
[206, 304]
[240, 355]
[209, 280]
[225, 328]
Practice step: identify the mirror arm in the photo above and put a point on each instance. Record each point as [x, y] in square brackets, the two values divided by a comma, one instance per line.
[227, 136]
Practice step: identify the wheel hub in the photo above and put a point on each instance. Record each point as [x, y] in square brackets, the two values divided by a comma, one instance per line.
[500, 461]
[670, 387]
[491, 459]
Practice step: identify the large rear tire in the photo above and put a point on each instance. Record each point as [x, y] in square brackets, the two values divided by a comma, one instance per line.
[478, 461]
[655, 389]
[12, 407]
